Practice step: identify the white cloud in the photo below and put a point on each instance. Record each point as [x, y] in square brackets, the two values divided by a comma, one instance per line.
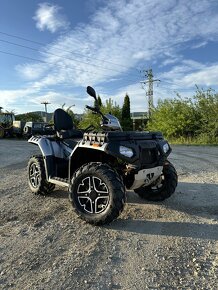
[138, 98]
[131, 34]
[29, 99]
[199, 44]
[48, 17]
[142, 55]
[207, 76]
[190, 73]
[169, 61]
[15, 99]
[180, 79]
[33, 71]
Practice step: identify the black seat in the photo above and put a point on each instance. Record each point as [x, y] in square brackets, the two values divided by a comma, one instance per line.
[64, 126]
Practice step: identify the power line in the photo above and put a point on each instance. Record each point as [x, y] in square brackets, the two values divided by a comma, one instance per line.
[76, 60]
[46, 62]
[22, 38]
[172, 83]
[61, 49]
[22, 56]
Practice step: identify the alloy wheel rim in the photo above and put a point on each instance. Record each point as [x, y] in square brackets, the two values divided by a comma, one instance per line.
[34, 175]
[93, 195]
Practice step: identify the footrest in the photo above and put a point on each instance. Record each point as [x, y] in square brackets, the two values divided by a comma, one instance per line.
[59, 181]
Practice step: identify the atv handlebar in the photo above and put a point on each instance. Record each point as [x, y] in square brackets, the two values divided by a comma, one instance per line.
[97, 111]
[92, 109]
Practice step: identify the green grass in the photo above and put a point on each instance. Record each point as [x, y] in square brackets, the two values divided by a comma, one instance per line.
[199, 140]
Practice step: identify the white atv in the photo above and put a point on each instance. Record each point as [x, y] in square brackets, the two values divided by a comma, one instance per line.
[98, 167]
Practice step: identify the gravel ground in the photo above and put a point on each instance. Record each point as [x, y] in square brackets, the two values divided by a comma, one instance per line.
[167, 245]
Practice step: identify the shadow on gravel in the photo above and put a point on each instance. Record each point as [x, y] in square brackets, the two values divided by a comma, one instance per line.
[59, 194]
[175, 229]
[197, 199]
[192, 198]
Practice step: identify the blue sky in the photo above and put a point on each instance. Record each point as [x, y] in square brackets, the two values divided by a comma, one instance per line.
[50, 51]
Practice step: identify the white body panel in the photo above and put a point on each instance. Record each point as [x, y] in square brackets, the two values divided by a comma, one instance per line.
[146, 176]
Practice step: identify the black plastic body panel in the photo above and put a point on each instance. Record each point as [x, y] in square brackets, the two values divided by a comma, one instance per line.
[147, 146]
[147, 150]
[131, 135]
[56, 167]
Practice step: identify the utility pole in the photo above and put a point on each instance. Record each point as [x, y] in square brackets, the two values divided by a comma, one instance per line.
[150, 80]
[45, 103]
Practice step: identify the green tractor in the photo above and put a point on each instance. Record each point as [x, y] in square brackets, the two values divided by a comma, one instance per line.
[6, 123]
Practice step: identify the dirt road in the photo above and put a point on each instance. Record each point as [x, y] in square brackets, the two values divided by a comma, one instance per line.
[168, 245]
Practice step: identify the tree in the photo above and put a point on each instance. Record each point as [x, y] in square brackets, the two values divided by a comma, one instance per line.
[94, 119]
[195, 117]
[99, 101]
[113, 108]
[28, 117]
[89, 119]
[72, 115]
[206, 104]
[174, 118]
[126, 117]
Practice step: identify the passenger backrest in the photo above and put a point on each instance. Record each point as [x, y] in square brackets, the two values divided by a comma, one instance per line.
[62, 120]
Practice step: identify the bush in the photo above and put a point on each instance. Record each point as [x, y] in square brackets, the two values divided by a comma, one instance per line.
[188, 120]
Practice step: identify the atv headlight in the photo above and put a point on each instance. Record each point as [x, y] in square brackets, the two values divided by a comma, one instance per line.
[166, 147]
[128, 152]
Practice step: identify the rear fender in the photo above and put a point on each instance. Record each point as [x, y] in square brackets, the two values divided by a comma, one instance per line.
[50, 150]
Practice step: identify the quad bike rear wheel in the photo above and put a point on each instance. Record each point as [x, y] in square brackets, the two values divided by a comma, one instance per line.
[164, 188]
[97, 193]
[37, 178]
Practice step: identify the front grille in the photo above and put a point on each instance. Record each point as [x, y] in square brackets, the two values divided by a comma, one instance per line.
[148, 156]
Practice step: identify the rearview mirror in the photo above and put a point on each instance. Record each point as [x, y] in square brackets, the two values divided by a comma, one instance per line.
[91, 92]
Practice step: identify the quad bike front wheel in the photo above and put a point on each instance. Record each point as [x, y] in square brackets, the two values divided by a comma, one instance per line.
[37, 178]
[164, 188]
[97, 193]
